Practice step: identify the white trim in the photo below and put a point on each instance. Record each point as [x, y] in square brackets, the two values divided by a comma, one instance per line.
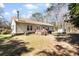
[13, 27]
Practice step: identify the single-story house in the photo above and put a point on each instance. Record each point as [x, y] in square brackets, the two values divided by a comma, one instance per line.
[23, 25]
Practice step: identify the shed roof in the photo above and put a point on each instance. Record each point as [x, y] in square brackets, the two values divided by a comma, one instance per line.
[29, 21]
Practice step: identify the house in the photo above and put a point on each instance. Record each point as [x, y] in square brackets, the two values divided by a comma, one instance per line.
[23, 25]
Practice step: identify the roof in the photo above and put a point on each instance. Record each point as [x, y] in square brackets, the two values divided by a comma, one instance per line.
[24, 20]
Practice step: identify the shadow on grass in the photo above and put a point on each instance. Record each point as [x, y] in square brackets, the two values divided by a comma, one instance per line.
[71, 38]
[2, 39]
[74, 38]
[44, 53]
[14, 48]
[58, 50]
[65, 37]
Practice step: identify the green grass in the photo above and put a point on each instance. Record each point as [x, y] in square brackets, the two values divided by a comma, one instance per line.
[5, 36]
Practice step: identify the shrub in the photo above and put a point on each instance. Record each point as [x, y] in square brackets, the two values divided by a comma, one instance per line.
[6, 31]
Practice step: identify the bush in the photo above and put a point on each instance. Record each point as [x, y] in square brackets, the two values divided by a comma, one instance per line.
[6, 31]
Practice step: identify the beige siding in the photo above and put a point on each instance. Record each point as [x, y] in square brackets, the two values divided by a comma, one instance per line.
[22, 28]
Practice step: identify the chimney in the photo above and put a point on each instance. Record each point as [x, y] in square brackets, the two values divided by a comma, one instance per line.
[17, 14]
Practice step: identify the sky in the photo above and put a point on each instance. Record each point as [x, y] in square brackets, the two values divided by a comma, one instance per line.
[26, 9]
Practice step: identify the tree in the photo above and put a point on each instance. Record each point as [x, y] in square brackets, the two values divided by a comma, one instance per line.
[74, 13]
[4, 24]
[1, 16]
[37, 16]
[54, 11]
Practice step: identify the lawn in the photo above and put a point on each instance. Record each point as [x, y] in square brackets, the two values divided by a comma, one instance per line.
[5, 36]
[37, 42]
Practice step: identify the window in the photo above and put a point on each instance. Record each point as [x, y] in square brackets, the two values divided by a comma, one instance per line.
[30, 27]
[27, 27]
